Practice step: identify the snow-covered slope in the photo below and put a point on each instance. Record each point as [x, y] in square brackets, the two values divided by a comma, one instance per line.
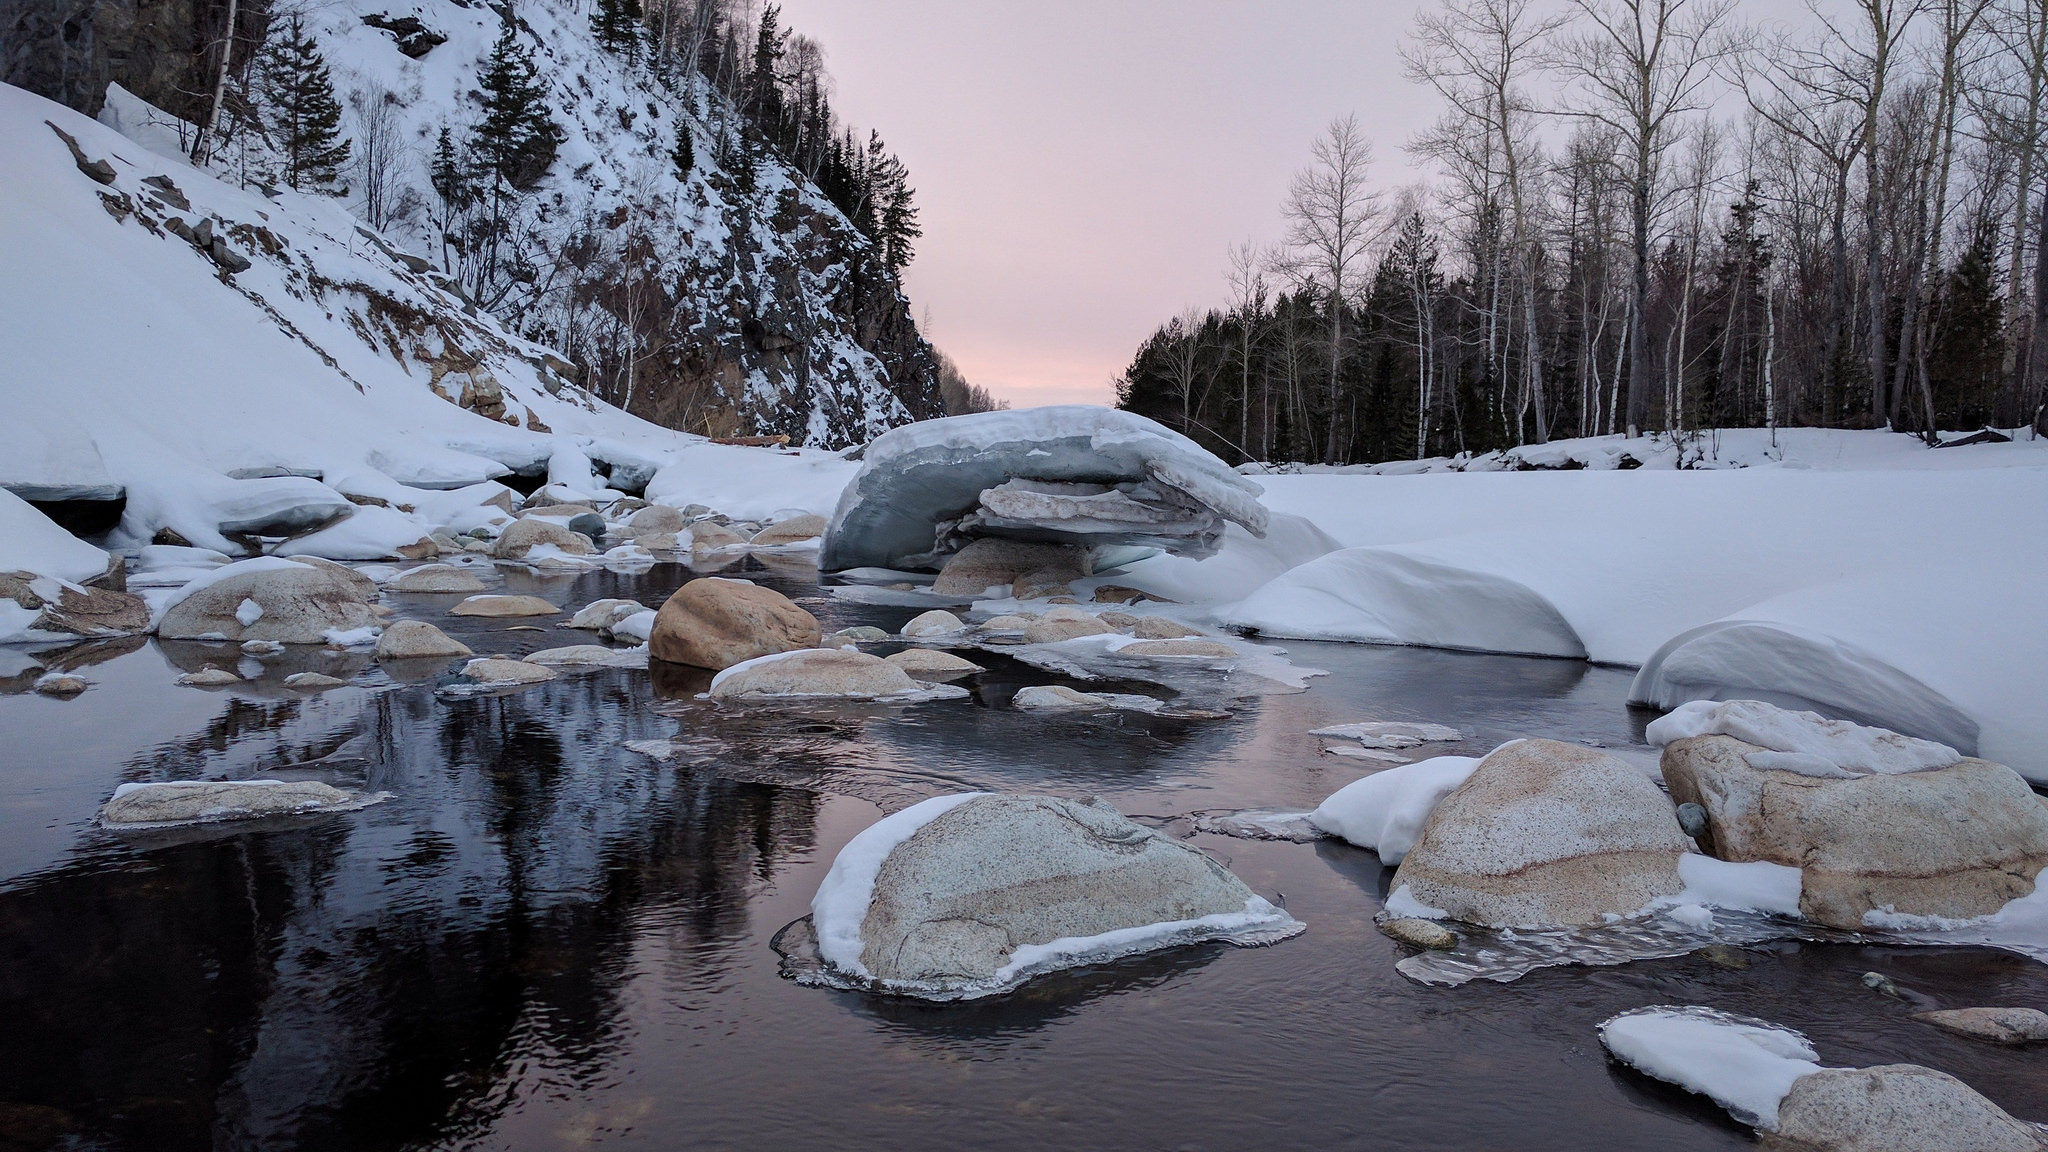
[329, 368]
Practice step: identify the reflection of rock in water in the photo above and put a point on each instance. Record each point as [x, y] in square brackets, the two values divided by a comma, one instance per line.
[340, 986]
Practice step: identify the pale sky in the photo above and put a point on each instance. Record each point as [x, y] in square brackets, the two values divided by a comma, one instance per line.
[1083, 166]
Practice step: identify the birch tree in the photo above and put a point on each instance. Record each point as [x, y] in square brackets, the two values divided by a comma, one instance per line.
[1334, 217]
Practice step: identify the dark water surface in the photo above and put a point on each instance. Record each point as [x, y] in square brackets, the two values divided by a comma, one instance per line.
[548, 941]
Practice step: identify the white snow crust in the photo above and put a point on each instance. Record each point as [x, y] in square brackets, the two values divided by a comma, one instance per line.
[1747, 1066]
[1802, 738]
[1385, 811]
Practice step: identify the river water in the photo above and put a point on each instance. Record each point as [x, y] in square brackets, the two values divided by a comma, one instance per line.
[549, 941]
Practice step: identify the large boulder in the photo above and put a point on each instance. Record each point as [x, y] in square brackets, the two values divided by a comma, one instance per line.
[1894, 1108]
[1546, 834]
[813, 673]
[716, 623]
[965, 896]
[523, 536]
[1956, 842]
[1073, 474]
[992, 562]
[266, 599]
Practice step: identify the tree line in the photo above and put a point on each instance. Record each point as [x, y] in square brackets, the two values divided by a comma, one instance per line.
[1648, 216]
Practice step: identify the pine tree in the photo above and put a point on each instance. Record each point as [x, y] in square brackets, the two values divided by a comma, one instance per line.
[894, 213]
[517, 139]
[616, 24]
[449, 175]
[305, 118]
[683, 154]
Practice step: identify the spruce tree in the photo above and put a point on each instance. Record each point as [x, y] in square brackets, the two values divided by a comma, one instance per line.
[616, 23]
[449, 175]
[517, 139]
[305, 118]
[684, 153]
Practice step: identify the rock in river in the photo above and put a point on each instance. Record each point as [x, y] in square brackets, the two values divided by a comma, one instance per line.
[437, 578]
[716, 623]
[266, 599]
[417, 639]
[969, 895]
[815, 673]
[504, 606]
[1546, 834]
[1997, 1025]
[202, 801]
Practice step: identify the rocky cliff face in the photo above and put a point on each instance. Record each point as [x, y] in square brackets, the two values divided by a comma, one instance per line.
[721, 301]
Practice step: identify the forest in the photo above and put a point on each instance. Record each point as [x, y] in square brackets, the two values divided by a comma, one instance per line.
[1647, 216]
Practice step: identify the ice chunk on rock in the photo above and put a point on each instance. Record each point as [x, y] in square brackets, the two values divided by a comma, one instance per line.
[971, 895]
[1854, 748]
[1546, 834]
[1071, 474]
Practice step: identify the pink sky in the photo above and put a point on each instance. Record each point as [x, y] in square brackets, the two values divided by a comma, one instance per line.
[1083, 167]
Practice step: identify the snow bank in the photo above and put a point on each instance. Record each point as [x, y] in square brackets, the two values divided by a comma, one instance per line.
[1385, 812]
[1745, 1065]
[841, 903]
[1241, 565]
[1379, 596]
[31, 542]
[1853, 747]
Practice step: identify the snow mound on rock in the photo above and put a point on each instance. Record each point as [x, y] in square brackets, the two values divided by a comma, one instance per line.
[1854, 748]
[1385, 812]
[1380, 596]
[921, 476]
[1745, 1065]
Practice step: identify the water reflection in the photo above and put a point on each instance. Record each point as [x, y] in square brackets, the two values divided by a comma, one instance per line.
[547, 938]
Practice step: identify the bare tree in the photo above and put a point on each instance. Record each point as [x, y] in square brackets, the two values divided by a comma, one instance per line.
[1182, 353]
[1334, 218]
[380, 148]
[1638, 67]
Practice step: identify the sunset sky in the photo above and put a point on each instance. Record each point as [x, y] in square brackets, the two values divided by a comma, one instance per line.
[1084, 165]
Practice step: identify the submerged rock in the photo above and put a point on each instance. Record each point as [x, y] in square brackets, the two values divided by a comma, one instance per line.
[504, 606]
[966, 896]
[1997, 1025]
[437, 578]
[930, 664]
[1546, 834]
[1078, 475]
[813, 673]
[1954, 842]
[201, 801]
[417, 639]
[716, 623]
[267, 599]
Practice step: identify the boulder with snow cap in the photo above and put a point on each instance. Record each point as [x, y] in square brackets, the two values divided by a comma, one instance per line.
[1077, 475]
[522, 536]
[601, 615]
[814, 673]
[966, 896]
[716, 623]
[937, 622]
[266, 599]
[1956, 841]
[1546, 834]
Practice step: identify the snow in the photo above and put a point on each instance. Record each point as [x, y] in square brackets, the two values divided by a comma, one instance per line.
[248, 612]
[1260, 922]
[369, 534]
[1806, 735]
[32, 542]
[1386, 811]
[841, 903]
[1745, 1065]
[638, 627]
[1754, 886]
[1880, 582]
[1243, 563]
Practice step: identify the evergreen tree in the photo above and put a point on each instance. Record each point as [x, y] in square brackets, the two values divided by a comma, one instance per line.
[617, 25]
[684, 154]
[305, 118]
[449, 175]
[517, 139]
[893, 212]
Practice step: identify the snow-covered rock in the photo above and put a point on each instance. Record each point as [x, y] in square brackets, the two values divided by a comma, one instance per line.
[1387, 810]
[292, 604]
[602, 615]
[205, 801]
[970, 895]
[526, 534]
[1378, 596]
[1955, 842]
[1545, 834]
[1743, 1064]
[1066, 474]
[717, 623]
[1802, 738]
